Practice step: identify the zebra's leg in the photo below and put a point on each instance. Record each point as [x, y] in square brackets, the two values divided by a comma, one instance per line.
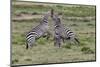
[74, 41]
[27, 45]
[77, 40]
[59, 44]
[57, 41]
[30, 42]
[63, 39]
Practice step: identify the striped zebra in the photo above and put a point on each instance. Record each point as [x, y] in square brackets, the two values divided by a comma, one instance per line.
[37, 32]
[58, 30]
[61, 32]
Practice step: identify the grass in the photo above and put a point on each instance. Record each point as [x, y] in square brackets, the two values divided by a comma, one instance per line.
[74, 16]
[76, 10]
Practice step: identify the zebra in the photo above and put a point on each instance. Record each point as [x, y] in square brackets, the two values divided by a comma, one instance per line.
[62, 32]
[37, 32]
[57, 36]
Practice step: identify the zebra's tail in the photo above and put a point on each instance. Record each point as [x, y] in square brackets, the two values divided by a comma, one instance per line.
[77, 40]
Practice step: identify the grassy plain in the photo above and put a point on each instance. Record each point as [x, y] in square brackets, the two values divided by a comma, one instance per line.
[80, 18]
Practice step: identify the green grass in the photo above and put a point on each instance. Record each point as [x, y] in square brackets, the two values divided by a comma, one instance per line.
[74, 16]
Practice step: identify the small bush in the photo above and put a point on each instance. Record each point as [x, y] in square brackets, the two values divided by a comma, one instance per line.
[87, 50]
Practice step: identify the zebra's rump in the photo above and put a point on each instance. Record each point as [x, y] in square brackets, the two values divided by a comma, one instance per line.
[36, 33]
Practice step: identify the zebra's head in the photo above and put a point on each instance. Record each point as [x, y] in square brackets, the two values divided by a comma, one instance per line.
[45, 17]
[56, 20]
[55, 17]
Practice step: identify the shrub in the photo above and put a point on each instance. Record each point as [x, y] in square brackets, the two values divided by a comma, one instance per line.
[87, 50]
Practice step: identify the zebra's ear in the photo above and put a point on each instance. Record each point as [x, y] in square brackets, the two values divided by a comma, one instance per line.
[52, 12]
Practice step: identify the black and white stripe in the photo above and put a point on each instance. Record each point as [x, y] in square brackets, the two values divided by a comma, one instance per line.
[37, 32]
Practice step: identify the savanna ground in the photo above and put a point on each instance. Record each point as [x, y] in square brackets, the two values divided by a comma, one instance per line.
[80, 18]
